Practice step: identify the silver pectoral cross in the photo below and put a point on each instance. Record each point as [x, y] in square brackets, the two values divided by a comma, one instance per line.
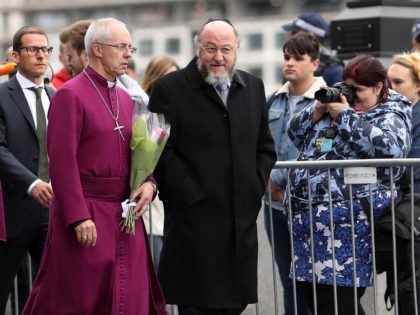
[118, 128]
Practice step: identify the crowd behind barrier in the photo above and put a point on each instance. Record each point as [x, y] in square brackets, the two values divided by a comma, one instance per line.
[352, 166]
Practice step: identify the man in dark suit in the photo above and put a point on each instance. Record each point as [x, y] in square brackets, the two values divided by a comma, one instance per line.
[212, 176]
[24, 102]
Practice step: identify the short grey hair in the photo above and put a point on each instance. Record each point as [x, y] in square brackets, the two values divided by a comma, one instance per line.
[98, 32]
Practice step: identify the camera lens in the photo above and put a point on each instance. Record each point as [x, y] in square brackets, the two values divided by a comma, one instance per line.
[328, 95]
[332, 94]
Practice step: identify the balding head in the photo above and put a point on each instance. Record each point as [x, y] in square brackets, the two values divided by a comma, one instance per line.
[219, 26]
[216, 44]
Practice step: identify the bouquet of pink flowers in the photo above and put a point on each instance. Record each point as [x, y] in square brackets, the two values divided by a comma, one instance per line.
[150, 134]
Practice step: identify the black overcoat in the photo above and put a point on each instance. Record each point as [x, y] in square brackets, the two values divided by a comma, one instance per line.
[211, 179]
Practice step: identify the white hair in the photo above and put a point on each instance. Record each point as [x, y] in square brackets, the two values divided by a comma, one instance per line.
[98, 32]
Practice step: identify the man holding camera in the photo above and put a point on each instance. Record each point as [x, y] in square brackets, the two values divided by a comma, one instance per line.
[297, 93]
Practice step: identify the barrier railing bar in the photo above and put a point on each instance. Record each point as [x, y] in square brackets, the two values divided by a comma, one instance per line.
[332, 245]
[413, 257]
[353, 251]
[375, 278]
[311, 231]
[340, 163]
[292, 249]
[273, 258]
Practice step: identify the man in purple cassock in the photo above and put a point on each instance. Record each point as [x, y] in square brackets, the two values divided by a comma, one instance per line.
[90, 266]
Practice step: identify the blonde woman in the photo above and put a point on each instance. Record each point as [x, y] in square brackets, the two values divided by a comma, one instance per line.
[157, 67]
[404, 76]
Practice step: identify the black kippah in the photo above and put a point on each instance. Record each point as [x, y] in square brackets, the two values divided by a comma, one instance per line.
[218, 19]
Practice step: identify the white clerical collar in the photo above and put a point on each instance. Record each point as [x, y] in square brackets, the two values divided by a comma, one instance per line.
[26, 83]
[111, 84]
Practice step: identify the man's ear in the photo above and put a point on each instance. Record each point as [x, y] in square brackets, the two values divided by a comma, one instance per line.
[96, 49]
[14, 56]
[315, 63]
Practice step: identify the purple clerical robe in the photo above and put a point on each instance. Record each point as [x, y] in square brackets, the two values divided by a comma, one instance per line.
[89, 169]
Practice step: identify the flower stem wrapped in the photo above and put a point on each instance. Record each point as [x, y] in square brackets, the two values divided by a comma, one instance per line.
[150, 134]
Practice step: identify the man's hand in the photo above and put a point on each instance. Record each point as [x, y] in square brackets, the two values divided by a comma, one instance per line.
[277, 194]
[145, 192]
[42, 192]
[86, 233]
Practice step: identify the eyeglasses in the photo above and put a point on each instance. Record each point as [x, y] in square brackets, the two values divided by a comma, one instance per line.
[225, 50]
[34, 50]
[121, 47]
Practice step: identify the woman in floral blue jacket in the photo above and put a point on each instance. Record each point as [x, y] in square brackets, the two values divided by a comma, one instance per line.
[376, 125]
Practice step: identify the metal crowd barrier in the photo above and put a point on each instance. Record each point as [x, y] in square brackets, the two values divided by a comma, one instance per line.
[330, 164]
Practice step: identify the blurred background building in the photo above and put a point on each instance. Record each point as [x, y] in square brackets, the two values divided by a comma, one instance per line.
[168, 27]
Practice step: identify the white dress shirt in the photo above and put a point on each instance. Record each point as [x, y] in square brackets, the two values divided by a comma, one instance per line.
[30, 96]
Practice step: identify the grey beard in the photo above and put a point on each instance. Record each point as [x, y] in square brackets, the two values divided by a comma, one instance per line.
[213, 79]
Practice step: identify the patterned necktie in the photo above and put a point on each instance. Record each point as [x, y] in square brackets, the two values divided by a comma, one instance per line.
[41, 128]
[223, 92]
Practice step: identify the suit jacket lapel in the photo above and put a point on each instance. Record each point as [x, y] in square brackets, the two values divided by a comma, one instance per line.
[19, 98]
[50, 92]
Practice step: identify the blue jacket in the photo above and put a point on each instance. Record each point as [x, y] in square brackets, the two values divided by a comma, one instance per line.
[382, 132]
[278, 117]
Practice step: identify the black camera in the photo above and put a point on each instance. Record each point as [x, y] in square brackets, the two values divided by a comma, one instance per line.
[332, 94]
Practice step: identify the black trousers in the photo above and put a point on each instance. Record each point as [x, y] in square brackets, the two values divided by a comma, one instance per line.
[193, 310]
[325, 299]
[12, 252]
[23, 288]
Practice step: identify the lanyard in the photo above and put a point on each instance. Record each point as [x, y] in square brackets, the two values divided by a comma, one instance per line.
[331, 130]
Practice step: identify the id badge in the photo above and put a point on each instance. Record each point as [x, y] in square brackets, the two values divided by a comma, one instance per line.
[323, 145]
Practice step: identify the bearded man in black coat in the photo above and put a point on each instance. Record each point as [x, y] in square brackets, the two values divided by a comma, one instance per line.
[212, 176]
